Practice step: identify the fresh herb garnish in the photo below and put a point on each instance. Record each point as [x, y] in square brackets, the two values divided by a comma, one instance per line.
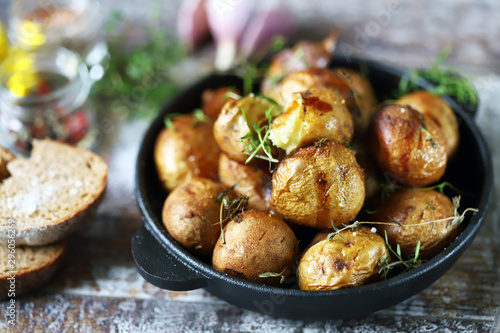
[138, 81]
[257, 139]
[229, 208]
[413, 260]
[446, 80]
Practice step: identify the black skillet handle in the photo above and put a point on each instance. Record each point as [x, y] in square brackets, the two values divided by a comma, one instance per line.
[159, 267]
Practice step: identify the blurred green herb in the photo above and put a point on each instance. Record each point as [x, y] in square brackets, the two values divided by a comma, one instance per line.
[446, 80]
[138, 80]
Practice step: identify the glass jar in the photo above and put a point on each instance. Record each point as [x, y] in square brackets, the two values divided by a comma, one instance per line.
[43, 94]
[73, 24]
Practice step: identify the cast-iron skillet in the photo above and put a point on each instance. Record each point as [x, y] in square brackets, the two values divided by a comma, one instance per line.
[162, 262]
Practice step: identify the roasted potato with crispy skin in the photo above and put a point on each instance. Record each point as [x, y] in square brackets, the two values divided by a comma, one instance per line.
[254, 243]
[409, 145]
[313, 78]
[364, 99]
[188, 151]
[314, 114]
[436, 108]
[347, 261]
[253, 181]
[214, 100]
[304, 55]
[231, 124]
[319, 184]
[191, 215]
[411, 207]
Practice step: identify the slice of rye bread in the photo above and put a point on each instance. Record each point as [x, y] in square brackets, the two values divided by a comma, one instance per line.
[33, 266]
[5, 157]
[49, 193]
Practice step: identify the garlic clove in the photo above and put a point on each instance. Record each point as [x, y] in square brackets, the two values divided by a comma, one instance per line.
[227, 20]
[262, 28]
[192, 25]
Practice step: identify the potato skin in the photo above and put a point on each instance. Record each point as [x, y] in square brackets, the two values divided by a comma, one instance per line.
[314, 114]
[408, 145]
[319, 184]
[231, 126]
[256, 243]
[436, 108]
[304, 55]
[214, 100]
[410, 207]
[187, 152]
[253, 182]
[339, 263]
[312, 78]
[191, 215]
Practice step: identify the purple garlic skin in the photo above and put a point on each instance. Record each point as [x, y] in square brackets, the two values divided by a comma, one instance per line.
[227, 20]
[192, 24]
[263, 27]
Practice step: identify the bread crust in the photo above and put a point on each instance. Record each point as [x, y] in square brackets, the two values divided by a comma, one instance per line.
[35, 276]
[35, 234]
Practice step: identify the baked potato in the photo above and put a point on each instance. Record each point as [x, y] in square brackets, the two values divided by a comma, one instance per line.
[364, 101]
[234, 120]
[413, 209]
[214, 100]
[188, 151]
[409, 145]
[253, 181]
[438, 110]
[312, 78]
[304, 55]
[191, 215]
[254, 243]
[347, 261]
[314, 114]
[318, 185]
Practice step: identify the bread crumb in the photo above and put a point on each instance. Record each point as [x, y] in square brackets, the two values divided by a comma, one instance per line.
[373, 229]
[73, 191]
[78, 184]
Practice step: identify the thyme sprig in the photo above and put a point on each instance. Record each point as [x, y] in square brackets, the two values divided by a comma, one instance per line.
[446, 81]
[413, 260]
[229, 208]
[456, 219]
[257, 139]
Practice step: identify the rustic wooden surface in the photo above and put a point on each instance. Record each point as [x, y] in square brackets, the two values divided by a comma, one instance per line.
[99, 290]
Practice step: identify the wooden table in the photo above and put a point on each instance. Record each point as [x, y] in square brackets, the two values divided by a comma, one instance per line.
[98, 288]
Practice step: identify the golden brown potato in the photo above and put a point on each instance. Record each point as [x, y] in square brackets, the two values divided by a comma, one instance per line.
[342, 262]
[319, 184]
[314, 114]
[312, 78]
[410, 208]
[187, 152]
[252, 181]
[255, 243]
[214, 100]
[191, 215]
[364, 100]
[438, 110]
[231, 125]
[304, 55]
[409, 145]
